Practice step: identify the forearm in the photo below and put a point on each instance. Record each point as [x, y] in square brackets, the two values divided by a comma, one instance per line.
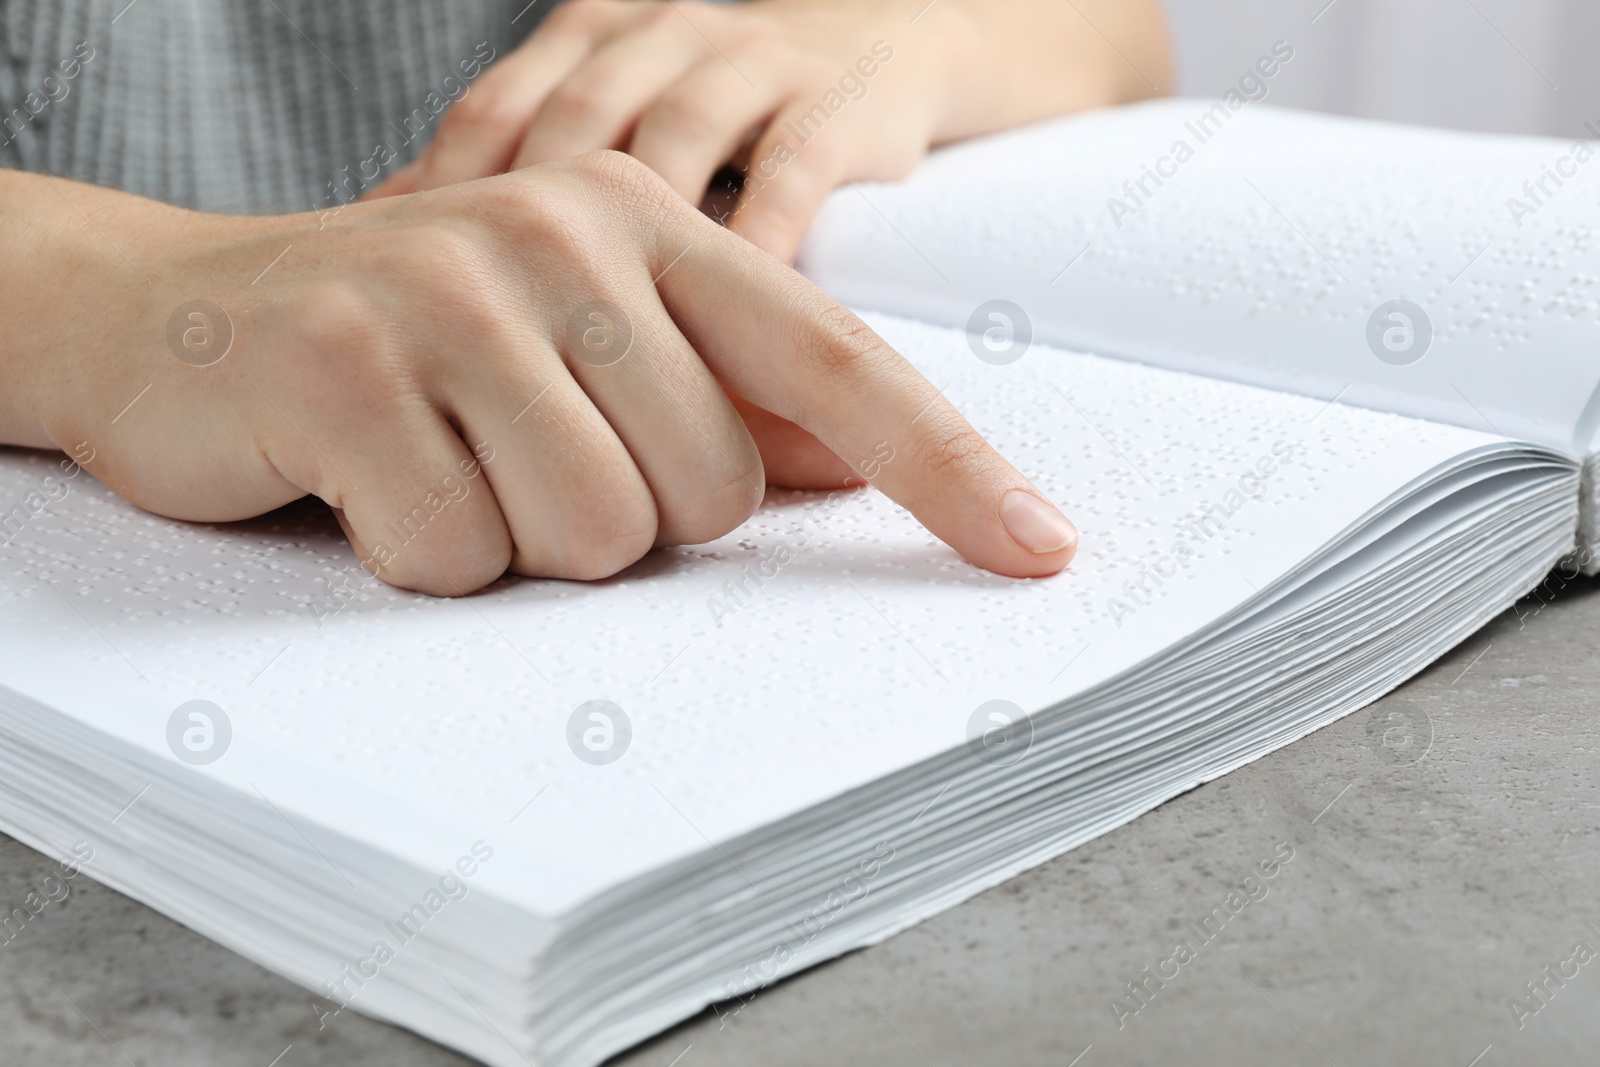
[1028, 60]
[88, 277]
[57, 290]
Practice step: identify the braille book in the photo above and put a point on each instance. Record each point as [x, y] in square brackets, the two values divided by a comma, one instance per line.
[1318, 395]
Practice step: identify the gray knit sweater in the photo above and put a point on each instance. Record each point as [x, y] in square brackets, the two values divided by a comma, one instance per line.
[239, 105]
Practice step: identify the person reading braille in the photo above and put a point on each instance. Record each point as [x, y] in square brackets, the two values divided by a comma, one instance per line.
[258, 252]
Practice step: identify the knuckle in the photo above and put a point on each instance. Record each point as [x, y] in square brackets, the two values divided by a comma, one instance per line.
[512, 201]
[560, 225]
[578, 102]
[842, 346]
[732, 494]
[482, 110]
[457, 574]
[610, 520]
[614, 170]
[687, 113]
[596, 550]
[526, 210]
[628, 183]
[953, 448]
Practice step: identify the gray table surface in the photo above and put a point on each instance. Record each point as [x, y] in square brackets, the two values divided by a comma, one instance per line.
[1422, 895]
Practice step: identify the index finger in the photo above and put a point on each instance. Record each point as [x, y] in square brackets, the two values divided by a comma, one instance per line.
[779, 341]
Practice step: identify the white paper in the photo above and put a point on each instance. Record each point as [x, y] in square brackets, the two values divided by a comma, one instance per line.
[1262, 256]
[415, 726]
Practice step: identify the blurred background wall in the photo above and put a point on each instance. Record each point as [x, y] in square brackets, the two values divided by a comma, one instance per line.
[1515, 66]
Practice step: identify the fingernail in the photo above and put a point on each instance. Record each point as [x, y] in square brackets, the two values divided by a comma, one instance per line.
[1034, 524]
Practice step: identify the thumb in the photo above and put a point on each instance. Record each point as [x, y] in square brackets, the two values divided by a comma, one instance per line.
[791, 457]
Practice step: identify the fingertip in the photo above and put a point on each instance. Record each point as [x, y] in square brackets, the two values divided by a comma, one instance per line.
[1047, 538]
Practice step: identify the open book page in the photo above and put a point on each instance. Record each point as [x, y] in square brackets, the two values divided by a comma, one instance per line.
[1449, 276]
[826, 643]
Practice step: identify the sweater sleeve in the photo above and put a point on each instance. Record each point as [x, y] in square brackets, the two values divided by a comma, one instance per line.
[292, 105]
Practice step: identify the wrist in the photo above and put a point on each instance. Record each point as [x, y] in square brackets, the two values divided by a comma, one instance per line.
[70, 272]
[1027, 60]
[89, 282]
[44, 261]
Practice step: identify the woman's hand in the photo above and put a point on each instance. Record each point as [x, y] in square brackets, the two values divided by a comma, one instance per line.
[807, 94]
[535, 371]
